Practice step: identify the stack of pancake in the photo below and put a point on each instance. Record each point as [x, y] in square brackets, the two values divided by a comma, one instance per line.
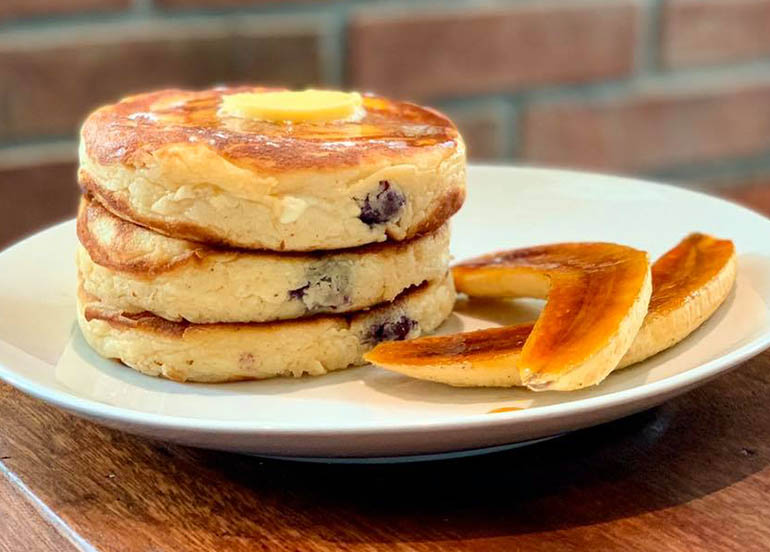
[227, 243]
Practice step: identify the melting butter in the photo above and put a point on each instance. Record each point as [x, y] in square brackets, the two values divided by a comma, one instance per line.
[294, 106]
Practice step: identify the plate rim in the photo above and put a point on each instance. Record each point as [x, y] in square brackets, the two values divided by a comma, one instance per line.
[635, 395]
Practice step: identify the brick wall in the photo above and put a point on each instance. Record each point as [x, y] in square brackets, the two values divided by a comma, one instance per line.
[670, 89]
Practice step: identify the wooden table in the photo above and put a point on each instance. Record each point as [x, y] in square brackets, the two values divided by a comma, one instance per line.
[693, 474]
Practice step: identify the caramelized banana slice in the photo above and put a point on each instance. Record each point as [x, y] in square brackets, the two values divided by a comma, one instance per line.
[597, 298]
[689, 283]
[483, 358]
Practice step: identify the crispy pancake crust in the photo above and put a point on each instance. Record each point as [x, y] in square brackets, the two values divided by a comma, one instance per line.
[127, 131]
[133, 269]
[167, 160]
[230, 352]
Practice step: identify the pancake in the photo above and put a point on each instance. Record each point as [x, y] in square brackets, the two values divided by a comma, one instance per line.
[228, 352]
[133, 269]
[170, 161]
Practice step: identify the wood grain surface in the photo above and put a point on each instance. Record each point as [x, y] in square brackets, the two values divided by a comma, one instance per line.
[693, 474]
[22, 527]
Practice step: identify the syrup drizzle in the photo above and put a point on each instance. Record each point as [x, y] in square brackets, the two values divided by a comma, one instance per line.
[505, 409]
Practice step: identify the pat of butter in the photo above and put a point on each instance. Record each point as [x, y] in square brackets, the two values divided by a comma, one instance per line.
[293, 207]
[305, 105]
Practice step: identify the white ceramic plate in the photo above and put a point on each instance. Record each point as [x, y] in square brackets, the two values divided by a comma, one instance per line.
[367, 412]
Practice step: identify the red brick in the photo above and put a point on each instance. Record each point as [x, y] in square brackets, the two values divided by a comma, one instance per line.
[650, 130]
[484, 129]
[48, 83]
[10, 9]
[711, 31]
[35, 192]
[492, 49]
[227, 3]
[753, 193]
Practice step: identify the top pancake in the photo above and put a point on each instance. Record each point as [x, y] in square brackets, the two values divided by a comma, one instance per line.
[170, 161]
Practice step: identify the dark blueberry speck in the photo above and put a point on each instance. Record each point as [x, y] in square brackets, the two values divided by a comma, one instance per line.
[381, 205]
[393, 330]
[326, 287]
[298, 293]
